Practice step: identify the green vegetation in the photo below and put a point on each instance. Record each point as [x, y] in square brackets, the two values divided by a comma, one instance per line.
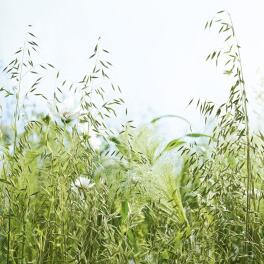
[136, 198]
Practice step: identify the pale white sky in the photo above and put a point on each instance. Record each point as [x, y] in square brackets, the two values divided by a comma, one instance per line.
[158, 48]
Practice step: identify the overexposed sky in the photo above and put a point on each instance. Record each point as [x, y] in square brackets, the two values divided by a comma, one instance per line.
[158, 48]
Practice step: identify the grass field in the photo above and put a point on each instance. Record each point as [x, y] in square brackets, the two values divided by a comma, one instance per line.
[133, 198]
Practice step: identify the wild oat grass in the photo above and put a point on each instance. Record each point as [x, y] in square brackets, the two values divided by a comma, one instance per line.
[136, 198]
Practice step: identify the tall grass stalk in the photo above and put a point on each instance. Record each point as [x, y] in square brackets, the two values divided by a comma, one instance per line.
[250, 180]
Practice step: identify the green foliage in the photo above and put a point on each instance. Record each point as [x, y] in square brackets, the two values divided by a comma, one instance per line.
[138, 198]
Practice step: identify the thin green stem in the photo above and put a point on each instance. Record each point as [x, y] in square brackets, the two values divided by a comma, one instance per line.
[250, 180]
[16, 117]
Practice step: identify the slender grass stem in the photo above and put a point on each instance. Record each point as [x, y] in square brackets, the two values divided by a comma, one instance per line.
[250, 180]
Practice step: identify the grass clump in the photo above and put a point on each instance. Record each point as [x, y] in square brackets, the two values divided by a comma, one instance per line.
[137, 198]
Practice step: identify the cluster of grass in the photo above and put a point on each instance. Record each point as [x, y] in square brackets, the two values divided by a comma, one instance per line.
[136, 199]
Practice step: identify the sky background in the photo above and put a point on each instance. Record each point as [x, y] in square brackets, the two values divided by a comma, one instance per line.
[158, 48]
